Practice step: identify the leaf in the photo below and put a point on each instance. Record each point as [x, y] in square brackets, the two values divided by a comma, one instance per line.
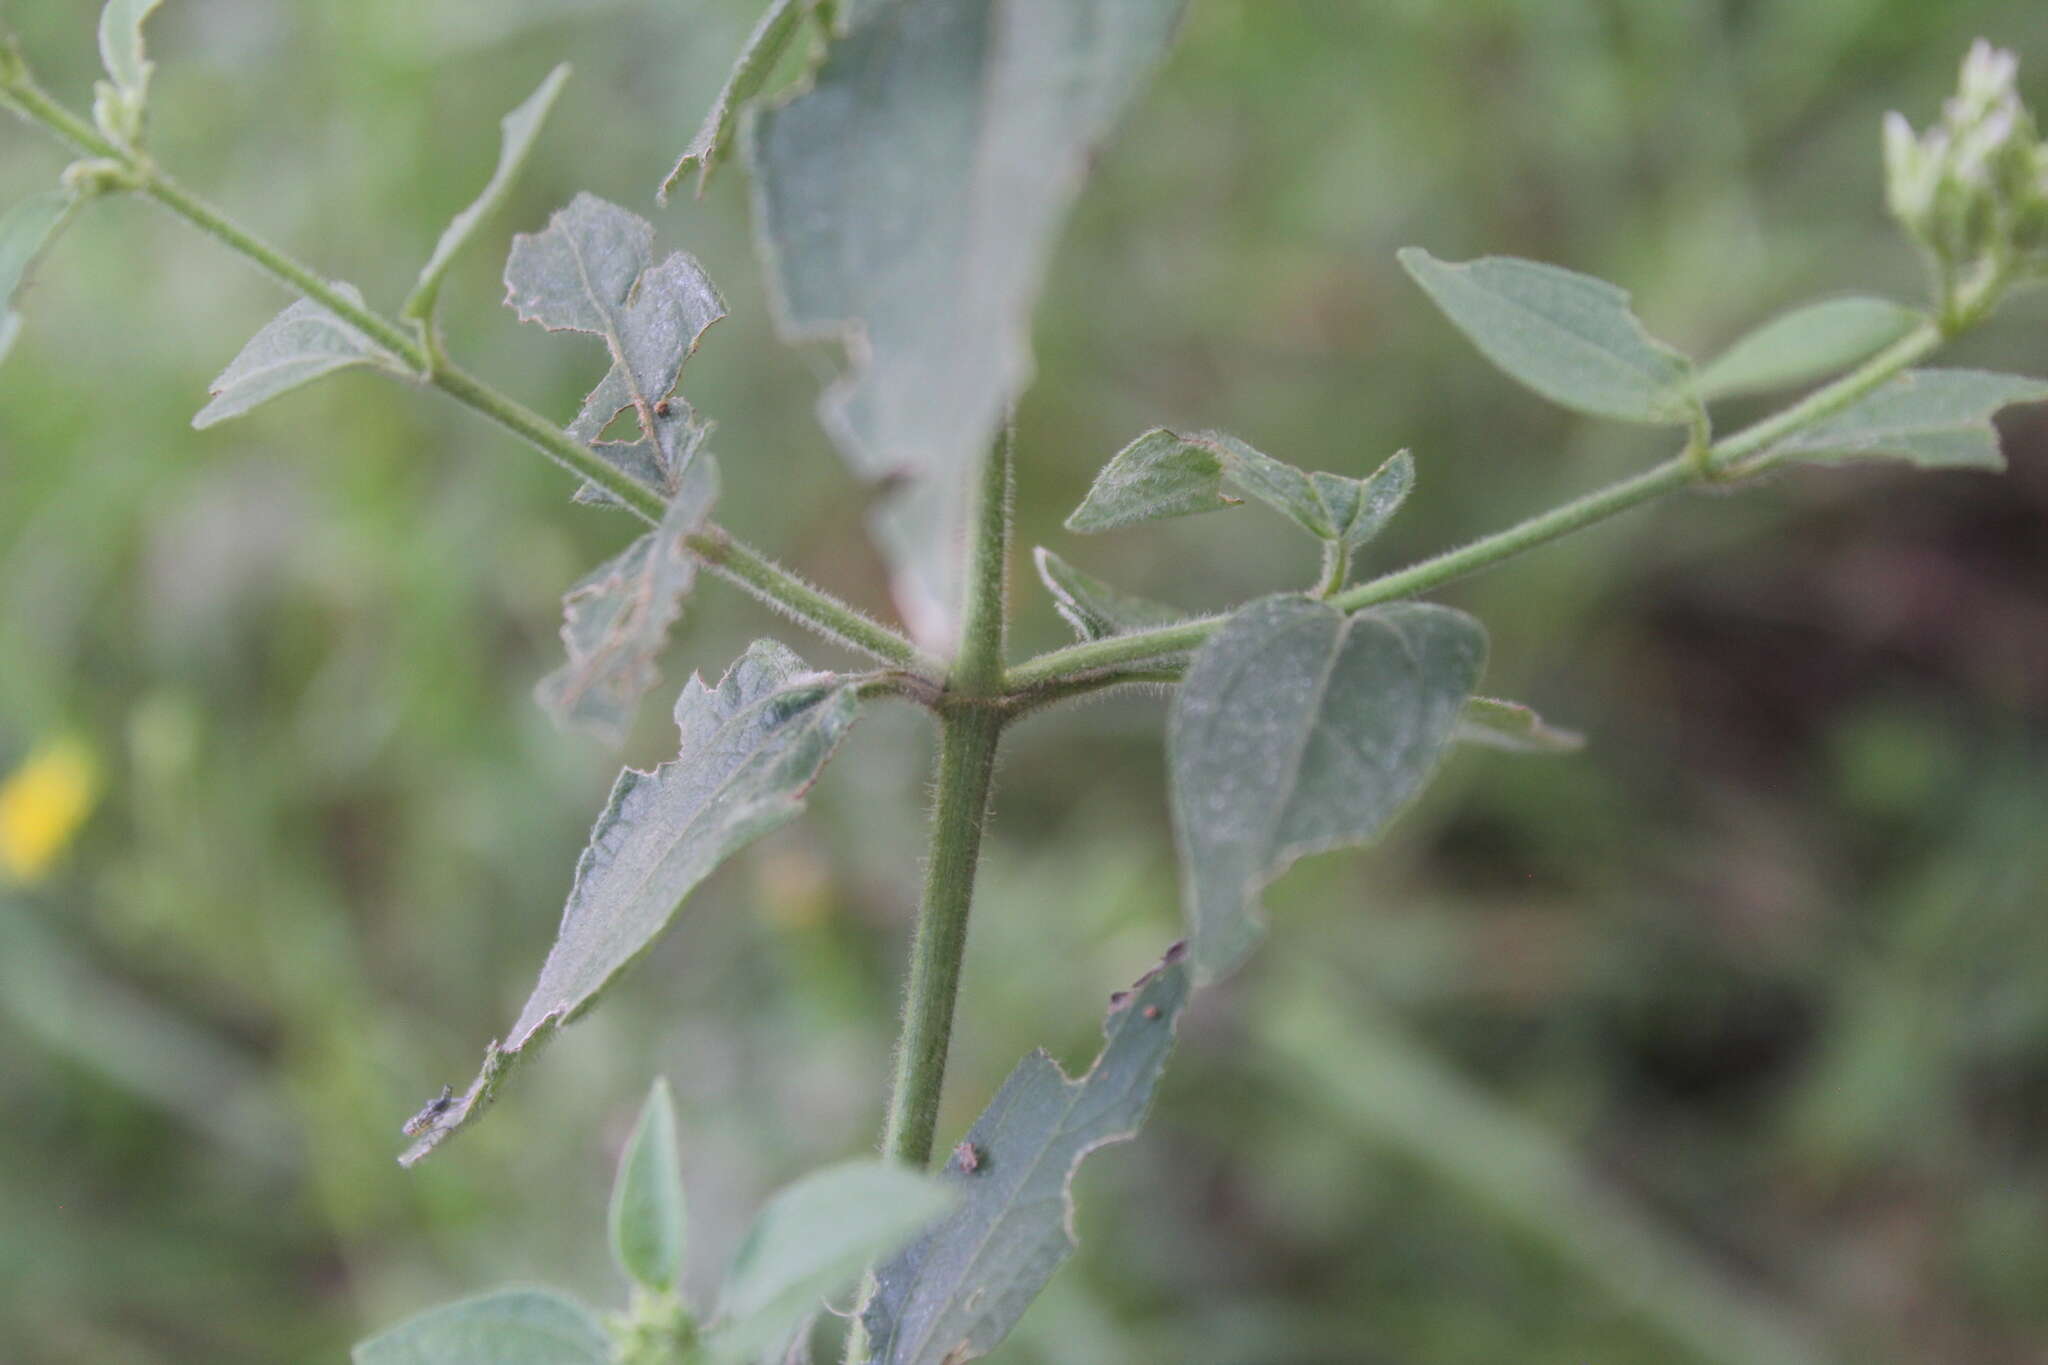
[813, 1240]
[521, 128]
[1163, 474]
[507, 1327]
[303, 343]
[953, 1294]
[121, 48]
[615, 623]
[1937, 419]
[1510, 725]
[1805, 344]
[908, 203]
[1157, 476]
[765, 46]
[1568, 336]
[1093, 608]
[1299, 729]
[647, 1198]
[592, 270]
[26, 231]
[751, 747]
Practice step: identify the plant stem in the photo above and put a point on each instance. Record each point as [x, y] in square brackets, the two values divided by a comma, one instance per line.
[1726, 461]
[970, 727]
[728, 557]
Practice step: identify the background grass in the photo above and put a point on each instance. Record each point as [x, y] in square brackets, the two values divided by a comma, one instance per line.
[1759, 979]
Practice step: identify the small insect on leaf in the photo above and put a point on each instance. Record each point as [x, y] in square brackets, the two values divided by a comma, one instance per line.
[435, 1107]
[967, 1157]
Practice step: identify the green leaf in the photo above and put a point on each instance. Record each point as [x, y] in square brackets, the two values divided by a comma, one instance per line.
[1092, 607]
[26, 231]
[592, 270]
[303, 343]
[751, 747]
[908, 203]
[1509, 725]
[765, 45]
[1159, 475]
[1299, 729]
[1163, 474]
[1937, 419]
[1568, 336]
[954, 1294]
[812, 1241]
[521, 128]
[616, 622]
[647, 1198]
[508, 1327]
[121, 48]
[1805, 344]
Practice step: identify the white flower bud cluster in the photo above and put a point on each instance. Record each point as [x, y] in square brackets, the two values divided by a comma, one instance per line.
[1973, 188]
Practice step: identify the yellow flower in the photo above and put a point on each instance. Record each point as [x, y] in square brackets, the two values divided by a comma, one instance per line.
[43, 804]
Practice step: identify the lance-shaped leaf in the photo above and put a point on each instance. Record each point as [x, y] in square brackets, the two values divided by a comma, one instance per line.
[1299, 729]
[593, 270]
[646, 1220]
[615, 622]
[1937, 419]
[1568, 336]
[908, 202]
[303, 343]
[765, 45]
[121, 47]
[1808, 343]
[521, 128]
[751, 747]
[26, 231]
[1092, 607]
[508, 1327]
[957, 1291]
[1163, 474]
[1495, 724]
[811, 1242]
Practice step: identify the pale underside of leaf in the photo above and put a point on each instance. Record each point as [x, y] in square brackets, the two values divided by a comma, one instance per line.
[616, 622]
[121, 46]
[907, 204]
[764, 48]
[506, 1327]
[751, 748]
[953, 1294]
[521, 128]
[1805, 344]
[26, 231]
[303, 343]
[1570, 337]
[1299, 729]
[811, 1242]
[1511, 726]
[592, 270]
[1936, 419]
[1092, 607]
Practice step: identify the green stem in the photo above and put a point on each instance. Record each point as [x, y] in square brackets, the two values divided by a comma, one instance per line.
[728, 557]
[1734, 458]
[970, 727]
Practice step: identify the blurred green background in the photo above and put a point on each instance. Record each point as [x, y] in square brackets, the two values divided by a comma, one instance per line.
[1736, 1022]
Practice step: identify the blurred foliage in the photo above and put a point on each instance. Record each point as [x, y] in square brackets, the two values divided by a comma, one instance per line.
[1767, 955]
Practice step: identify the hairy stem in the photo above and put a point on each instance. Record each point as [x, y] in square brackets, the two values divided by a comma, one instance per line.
[1736, 457]
[728, 557]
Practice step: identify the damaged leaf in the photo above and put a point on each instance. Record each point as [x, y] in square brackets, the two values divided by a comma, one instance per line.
[953, 1294]
[751, 747]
